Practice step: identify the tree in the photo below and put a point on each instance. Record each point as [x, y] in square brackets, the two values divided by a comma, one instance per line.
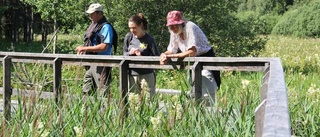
[57, 11]
[301, 20]
[229, 35]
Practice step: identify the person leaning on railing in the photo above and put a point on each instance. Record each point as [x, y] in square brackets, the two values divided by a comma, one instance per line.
[189, 39]
[139, 43]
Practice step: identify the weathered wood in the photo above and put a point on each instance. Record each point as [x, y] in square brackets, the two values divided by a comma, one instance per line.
[50, 95]
[259, 118]
[168, 91]
[197, 80]
[266, 68]
[73, 57]
[33, 61]
[107, 64]
[273, 89]
[235, 68]
[123, 70]
[7, 87]
[276, 119]
[209, 63]
[30, 93]
[263, 91]
[264, 86]
[57, 80]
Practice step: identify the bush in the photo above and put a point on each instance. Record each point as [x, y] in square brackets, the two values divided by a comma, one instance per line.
[302, 21]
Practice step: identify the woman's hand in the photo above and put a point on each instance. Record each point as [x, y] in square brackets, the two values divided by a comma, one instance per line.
[134, 51]
[163, 59]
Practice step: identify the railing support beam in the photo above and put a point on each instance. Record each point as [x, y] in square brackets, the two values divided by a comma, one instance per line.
[7, 87]
[123, 79]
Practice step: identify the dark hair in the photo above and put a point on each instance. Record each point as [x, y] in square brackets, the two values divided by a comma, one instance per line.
[138, 19]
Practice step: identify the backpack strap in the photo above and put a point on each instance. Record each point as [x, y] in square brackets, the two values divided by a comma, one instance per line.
[129, 38]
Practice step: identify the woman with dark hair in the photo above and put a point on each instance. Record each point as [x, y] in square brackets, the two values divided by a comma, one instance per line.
[187, 37]
[139, 43]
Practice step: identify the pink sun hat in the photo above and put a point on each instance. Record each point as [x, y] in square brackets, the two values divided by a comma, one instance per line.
[174, 18]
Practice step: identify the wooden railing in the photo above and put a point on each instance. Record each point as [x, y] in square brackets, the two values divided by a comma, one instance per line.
[271, 116]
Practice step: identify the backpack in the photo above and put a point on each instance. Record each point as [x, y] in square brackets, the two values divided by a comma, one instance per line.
[114, 40]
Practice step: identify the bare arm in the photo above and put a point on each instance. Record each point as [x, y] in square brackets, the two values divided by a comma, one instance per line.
[97, 48]
[167, 55]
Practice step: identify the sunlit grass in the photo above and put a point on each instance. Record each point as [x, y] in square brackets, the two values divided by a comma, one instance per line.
[301, 61]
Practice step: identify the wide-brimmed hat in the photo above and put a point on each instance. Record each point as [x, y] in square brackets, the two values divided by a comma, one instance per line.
[94, 7]
[174, 18]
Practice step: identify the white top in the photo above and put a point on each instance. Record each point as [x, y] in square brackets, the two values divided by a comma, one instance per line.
[194, 36]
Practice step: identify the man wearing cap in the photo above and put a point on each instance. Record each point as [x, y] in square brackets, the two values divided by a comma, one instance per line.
[187, 37]
[98, 40]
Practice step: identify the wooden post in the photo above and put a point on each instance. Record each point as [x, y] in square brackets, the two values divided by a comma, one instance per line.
[259, 118]
[57, 63]
[265, 81]
[196, 80]
[7, 87]
[123, 70]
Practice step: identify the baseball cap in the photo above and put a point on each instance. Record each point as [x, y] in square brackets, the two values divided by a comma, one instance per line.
[94, 7]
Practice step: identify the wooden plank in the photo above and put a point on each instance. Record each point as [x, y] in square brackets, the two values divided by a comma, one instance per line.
[50, 95]
[7, 86]
[235, 68]
[168, 91]
[57, 80]
[264, 86]
[277, 119]
[30, 93]
[42, 61]
[155, 59]
[259, 118]
[263, 91]
[267, 68]
[107, 64]
[197, 80]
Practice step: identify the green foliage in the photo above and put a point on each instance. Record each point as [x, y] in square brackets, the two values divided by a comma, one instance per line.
[3, 9]
[263, 7]
[261, 24]
[215, 18]
[300, 21]
[262, 15]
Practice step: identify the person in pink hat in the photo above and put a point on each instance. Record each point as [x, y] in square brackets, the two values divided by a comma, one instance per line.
[187, 38]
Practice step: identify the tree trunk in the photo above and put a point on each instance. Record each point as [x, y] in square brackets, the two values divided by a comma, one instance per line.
[44, 32]
[1, 27]
[26, 26]
[14, 18]
[31, 25]
[55, 27]
[8, 26]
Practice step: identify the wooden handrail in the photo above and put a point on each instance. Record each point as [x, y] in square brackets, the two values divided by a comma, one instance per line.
[272, 115]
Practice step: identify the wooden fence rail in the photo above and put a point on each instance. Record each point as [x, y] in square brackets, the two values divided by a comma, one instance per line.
[271, 116]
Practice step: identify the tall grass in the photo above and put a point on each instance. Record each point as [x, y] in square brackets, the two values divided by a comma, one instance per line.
[175, 115]
[301, 61]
